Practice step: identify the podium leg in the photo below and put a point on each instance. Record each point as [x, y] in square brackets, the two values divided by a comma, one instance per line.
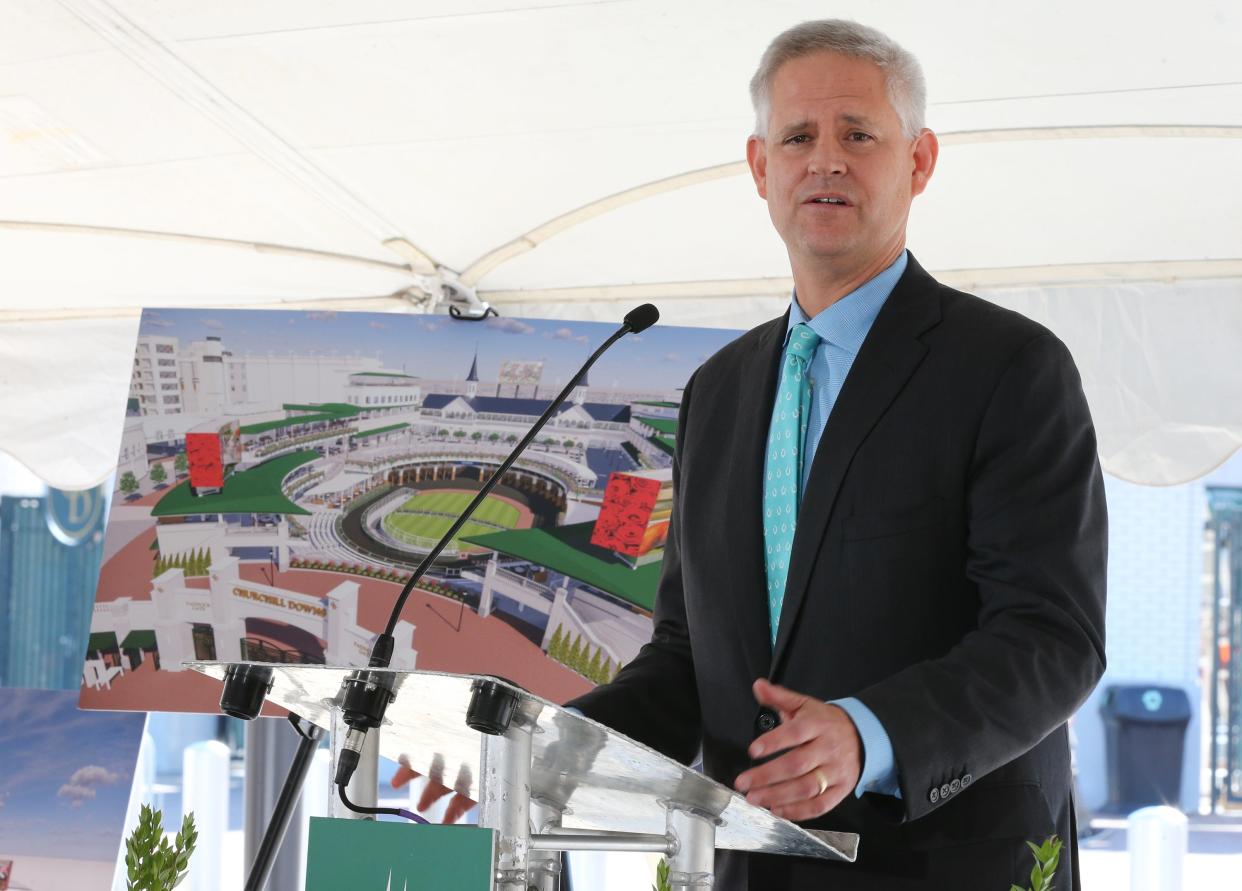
[693, 864]
[544, 866]
[504, 800]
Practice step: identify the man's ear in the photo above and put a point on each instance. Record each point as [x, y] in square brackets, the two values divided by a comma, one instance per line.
[757, 159]
[926, 150]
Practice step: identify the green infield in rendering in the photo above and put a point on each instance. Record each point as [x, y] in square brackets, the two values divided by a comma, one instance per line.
[423, 519]
[492, 512]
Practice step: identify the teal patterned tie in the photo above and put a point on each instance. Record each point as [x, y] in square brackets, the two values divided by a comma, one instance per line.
[786, 439]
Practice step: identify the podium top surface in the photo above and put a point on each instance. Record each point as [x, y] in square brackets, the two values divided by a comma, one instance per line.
[598, 778]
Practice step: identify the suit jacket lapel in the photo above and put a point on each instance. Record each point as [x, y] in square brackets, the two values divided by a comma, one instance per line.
[889, 355]
[756, 391]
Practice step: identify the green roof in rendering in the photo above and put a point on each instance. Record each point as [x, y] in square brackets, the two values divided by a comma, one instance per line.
[379, 430]
[265, 426]
[337, 408]
[253, 491]
[568, 550]
[661, 425]
[659, 404]
[101, 640]
[667, 443]
[139, 640]
[382, 374]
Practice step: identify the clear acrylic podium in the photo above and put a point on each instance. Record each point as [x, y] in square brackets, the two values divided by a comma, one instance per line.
[553, 781]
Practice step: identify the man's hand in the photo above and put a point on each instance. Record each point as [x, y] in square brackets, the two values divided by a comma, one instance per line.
[822, 758]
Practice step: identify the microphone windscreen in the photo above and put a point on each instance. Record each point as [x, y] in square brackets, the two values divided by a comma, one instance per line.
[640, 318]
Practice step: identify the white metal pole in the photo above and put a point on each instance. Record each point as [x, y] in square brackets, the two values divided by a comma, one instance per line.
[205, 791]
[693, 862]
[1157, 838]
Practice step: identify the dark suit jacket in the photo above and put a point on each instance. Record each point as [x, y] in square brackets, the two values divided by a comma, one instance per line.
[948, 570]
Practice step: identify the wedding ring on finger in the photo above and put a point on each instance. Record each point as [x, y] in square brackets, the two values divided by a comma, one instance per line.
[823, 782]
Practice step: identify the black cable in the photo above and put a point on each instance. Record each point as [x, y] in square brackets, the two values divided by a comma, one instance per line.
[363, 809]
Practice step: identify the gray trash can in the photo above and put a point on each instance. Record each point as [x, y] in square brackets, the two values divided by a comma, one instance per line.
[1145, 734]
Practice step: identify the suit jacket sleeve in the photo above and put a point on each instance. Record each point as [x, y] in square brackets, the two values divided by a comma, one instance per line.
[1036, 550]
[654, 699]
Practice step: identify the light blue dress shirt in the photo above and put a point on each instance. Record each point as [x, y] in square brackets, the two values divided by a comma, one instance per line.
[842, 328]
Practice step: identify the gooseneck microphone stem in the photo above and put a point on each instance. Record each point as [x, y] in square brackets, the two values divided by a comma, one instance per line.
[383, 645]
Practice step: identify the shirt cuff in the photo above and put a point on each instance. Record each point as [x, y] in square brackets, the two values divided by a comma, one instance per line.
[879, 765]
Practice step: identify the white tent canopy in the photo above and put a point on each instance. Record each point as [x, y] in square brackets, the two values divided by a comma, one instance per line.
[570, 159]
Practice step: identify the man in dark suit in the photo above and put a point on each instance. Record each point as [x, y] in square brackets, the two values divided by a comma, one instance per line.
[883, 590]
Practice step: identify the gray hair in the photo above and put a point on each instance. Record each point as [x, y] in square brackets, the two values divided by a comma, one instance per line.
[903, 76]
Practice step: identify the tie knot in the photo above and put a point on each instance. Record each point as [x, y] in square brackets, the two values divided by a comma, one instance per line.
[802, 342]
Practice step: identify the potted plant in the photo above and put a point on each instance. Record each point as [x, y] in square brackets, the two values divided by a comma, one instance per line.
[1046, 857]
[151, 863]
[662, 883]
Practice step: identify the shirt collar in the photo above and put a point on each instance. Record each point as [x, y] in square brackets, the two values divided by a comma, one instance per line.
[845, 324]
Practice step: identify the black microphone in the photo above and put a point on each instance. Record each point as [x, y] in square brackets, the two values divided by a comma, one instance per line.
[365, 694]
[640, 318]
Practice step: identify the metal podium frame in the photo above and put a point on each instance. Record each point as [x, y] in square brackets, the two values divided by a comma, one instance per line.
[553, 780]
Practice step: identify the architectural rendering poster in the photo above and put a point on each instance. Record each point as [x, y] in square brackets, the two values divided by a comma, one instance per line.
[64, 790]
[281, 474]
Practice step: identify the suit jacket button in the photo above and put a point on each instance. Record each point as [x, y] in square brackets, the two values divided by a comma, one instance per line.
[934, 796]
[955, 786]
[967, 780]
[766, 720]
[944, 791]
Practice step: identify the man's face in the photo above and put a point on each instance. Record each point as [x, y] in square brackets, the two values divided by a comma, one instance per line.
[835, 167]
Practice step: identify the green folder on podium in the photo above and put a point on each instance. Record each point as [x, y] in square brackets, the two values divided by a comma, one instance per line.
[364, 856]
